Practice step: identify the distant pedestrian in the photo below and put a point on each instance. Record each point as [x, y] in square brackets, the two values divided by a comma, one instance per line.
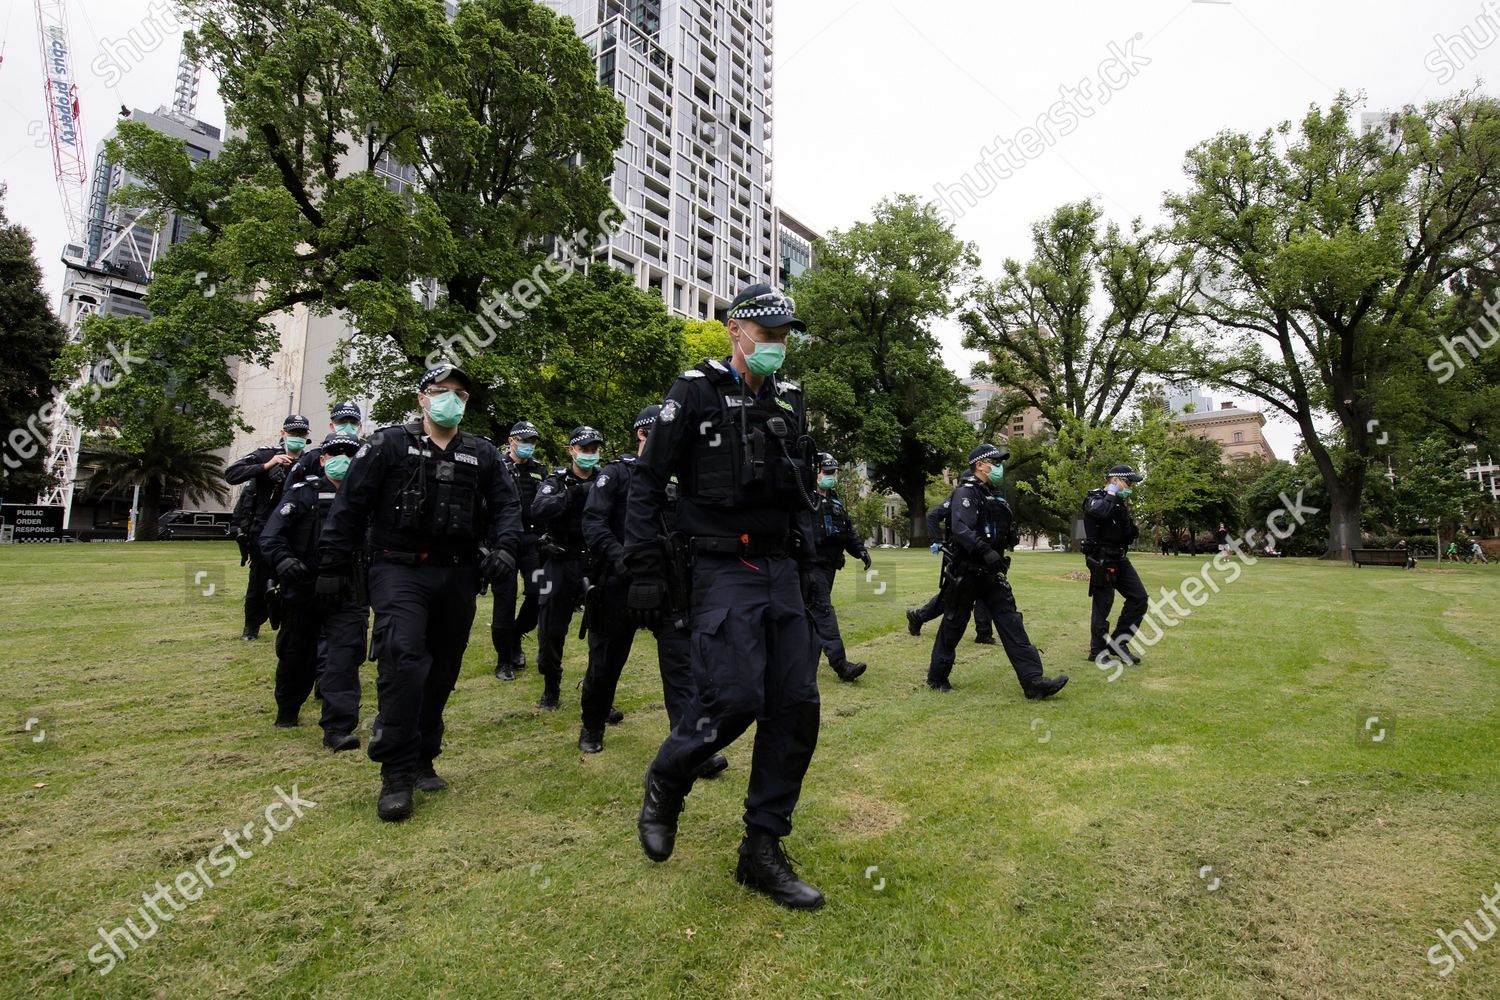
[1406, 551]
[1478, 553]
[1453, 552]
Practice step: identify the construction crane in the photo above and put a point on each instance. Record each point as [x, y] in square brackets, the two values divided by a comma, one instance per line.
[63, 113]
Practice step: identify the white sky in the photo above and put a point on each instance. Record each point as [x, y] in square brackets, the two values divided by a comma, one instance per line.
[875, 97]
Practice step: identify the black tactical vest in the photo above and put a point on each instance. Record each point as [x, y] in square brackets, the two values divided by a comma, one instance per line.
[750, 452]
[437, 493]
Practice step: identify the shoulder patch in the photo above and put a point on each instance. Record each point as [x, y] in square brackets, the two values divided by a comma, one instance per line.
[692, 373]
[286, 508]
[669, 411]
[364, 450]
[547, 488]
[966, 501]
[788, 387]
[602, 479]
[716, 364]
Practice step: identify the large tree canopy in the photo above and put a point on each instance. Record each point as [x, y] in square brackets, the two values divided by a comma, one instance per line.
[1326, 256]
[871, 366]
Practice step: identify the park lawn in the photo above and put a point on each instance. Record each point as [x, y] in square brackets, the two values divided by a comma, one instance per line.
[1214, 823]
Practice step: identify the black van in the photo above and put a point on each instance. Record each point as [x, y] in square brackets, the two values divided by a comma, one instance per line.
[193, 525]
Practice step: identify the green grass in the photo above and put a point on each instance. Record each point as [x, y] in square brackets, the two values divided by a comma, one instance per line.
[1027, 849]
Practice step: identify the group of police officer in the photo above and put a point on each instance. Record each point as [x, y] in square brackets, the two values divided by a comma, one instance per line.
[720, 534]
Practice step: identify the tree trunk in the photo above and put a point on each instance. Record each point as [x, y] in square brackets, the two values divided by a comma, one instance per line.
[916, 512]
[146, 528]
[1343, 520]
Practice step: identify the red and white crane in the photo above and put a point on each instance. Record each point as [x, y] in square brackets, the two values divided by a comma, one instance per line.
[63, 112]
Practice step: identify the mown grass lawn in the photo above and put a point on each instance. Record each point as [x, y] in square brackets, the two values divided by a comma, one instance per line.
[974, 844]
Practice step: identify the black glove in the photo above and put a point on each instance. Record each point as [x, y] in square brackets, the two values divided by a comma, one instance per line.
[494, 564]
[865, 556]
[994, 560]
[330, 592]
[619, 567]
[647, 601]
[244, 543]
[293, 571]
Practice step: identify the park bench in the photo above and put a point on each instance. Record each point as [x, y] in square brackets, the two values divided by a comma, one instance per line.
[1377, 557]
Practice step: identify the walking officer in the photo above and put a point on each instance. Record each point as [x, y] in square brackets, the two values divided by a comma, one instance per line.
[833, 536]
[267, 468]
[558, 510]
[1108, 531]
[344, 418]
[939, 519]
[507, 626]
[983, 528]
[734, 435]
[440, 516]
[290, 544]
[611, 630]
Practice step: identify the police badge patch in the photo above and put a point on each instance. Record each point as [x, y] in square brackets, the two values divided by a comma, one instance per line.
[966, 501]
[602, 480]
[362, 449]
[669, 411]
[286, 509]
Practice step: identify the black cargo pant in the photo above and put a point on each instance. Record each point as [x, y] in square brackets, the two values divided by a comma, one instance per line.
[423, 614]
[560, 594]
[508, 625]
[255, 589]
[822, 617]
[1128, 582]
[329, 650]
[987, 590]
[611, 638]
[753, 660]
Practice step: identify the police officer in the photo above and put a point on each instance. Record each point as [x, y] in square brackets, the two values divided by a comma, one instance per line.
[440, 516]
[558, 510]
[1108, 532]
[290, 544]
[267, 468]
[833, 536]
[938, 521]
[344, 418]
[611, 631]
[240, 520]
[983, 528]
[734, 436]
[507, 626]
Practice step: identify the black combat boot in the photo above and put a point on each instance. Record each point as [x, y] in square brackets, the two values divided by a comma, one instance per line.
[847, 671]
[395, 796]
[504, 670]
[590, 740]
[913, 622]
[340, 741]
[615, 717]
[984, 639]
[251, 633]
[657, 822]
[286, 718]
[428, 780]
[940, 684]
[765, 868]
[1046, 687]
[551, 685]
[713, 767]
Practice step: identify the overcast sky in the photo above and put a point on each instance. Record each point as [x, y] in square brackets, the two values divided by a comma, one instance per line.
[875, 97]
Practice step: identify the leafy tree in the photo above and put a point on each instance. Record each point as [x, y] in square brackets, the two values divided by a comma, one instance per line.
[866, 506]
[870, 364]
[1024, 470]
[595, 352]
[1262, 498]
[1075, 461]
[1325, 255]
[1046, 337]
[1433, 489]
[495, 121]
[30, 340]
[1188, 485]
[175, 456]
[703, 338]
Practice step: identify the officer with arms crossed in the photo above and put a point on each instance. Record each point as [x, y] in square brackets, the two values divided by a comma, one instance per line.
[983, 529]
[440, 516]
[1108, 532]
[508, 626]
[833, 535]
[558, 510]
[290, 543]
[733, 434]
[266, 469]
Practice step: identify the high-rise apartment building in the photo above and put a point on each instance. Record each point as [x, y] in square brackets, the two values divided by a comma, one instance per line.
[694, 172]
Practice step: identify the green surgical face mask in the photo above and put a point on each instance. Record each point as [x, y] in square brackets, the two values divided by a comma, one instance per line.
[525, 451]
[337, 467]
[446, 410]
[347, 429]
[766, 359]
[295, 445]
[996, 473]
[1125, 491]
[584, 460]
[828, 482]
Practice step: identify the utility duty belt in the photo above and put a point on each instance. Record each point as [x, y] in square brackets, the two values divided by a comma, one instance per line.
[761, 546]
[419, 558]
